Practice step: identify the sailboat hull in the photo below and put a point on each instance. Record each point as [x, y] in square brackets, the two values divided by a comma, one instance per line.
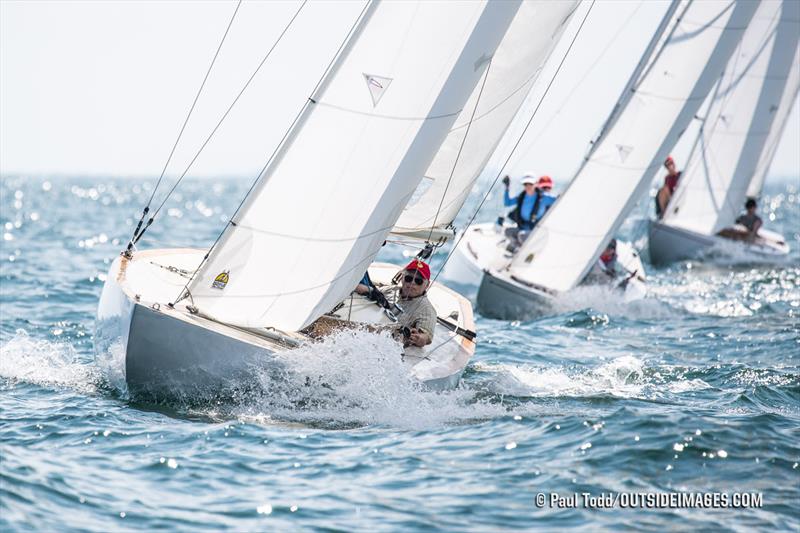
[168, 354]
[160, 353]
[507, 299]
[479, 247]
[668, 244]
[164, 354]
[502, 298]
[482, 254]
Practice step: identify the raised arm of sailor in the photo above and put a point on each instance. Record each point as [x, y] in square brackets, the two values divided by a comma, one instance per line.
[508, 201]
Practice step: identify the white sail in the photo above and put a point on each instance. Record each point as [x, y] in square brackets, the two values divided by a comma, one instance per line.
[741, 115]
[514, 69]
[648, 121]
[782, 114]
[323, 207]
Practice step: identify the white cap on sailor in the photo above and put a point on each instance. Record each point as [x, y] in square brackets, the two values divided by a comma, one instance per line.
[529, 177]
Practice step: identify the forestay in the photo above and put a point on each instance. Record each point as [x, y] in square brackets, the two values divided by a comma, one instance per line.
[742, 113]
[514, 69]
[323, 207]
[649, 119]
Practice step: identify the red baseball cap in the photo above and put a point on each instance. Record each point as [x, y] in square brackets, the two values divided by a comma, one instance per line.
[669, 160]
[421, 267]
[545, 181]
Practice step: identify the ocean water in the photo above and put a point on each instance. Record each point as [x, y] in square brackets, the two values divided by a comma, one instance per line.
[695, 389]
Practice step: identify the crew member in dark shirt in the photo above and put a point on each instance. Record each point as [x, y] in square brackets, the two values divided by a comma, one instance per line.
[750, 220]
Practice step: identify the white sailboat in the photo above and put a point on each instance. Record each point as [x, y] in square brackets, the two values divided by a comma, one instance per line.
[677, 71]
[735, 143]
[187, 322]
[488, 245]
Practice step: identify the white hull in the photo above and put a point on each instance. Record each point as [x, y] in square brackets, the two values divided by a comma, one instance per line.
[482, 244]
[482, 256]
[169, 353]
[668, 244]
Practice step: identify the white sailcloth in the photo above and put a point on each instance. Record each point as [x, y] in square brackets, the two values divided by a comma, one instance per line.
[778, 126]
[738, 122]
[323, 207]
[513, 71]
[648, 122]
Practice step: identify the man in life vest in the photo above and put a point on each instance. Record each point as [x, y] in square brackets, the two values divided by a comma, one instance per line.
[668, 189]
[532, 203]
[529, 207]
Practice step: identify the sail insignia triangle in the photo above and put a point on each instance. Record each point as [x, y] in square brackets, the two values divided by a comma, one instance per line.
[377, 86]
[624, 152]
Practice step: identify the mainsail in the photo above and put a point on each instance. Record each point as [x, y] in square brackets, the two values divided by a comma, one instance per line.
[325, 204]
[740, 119]
[782, 114]
[651, 115]
[514, 69]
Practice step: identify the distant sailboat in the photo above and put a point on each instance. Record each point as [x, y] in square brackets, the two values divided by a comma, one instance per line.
[737, 138]
[188, 321]
[679, 68]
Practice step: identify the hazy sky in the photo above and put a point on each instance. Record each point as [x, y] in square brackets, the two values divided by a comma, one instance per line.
[102, 88]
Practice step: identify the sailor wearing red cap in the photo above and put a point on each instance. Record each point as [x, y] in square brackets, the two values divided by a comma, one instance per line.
[668, 189]
[418, 318]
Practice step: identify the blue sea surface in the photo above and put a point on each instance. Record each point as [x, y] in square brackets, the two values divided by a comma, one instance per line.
[695, 389]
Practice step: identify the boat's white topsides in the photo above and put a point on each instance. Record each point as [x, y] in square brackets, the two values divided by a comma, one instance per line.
[152, 279]
[484, 247]
[483, 256]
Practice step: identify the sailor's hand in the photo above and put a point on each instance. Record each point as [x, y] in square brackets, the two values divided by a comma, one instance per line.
[362, 289]
[418, 337]
[506, 181]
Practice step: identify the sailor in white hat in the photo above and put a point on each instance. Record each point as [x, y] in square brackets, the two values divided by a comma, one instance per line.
[531, 203]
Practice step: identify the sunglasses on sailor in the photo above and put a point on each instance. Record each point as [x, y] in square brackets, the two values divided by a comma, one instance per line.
[419, 280]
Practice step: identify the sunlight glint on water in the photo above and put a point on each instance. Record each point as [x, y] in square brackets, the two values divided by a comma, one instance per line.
[695, 388]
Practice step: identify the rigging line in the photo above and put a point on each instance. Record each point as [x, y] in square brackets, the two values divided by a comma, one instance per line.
[194, 103]
[460, 148]
[219, 123]
[286, 134]
[516, 145]
[185, 122]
